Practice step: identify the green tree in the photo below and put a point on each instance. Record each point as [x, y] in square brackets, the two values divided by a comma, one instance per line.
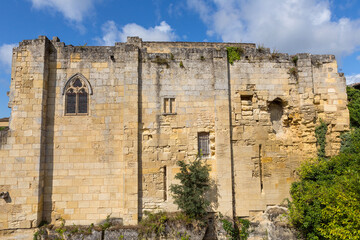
[326, 199]
[189, 194]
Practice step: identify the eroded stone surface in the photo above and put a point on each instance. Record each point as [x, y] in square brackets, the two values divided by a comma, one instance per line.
[272, 225]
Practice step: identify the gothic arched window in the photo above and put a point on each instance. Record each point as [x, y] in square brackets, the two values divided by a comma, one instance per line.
[76, 97]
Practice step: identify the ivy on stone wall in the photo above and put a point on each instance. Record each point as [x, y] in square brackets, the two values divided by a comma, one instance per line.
[320, 134]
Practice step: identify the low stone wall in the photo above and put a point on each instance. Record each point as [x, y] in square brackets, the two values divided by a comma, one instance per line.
[18, 234]
[271, 225]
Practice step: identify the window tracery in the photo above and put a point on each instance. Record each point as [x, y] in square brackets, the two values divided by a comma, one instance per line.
[76, 97]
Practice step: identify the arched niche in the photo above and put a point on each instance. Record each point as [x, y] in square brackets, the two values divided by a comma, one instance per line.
[276, 110]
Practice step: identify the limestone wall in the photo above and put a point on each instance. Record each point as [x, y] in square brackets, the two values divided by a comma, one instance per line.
[22, 156]
[274, 115]
[80, 168]
[148, 104]
[91, 160]
[196, 79]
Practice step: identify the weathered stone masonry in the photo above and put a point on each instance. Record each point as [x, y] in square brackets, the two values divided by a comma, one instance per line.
[148, 103]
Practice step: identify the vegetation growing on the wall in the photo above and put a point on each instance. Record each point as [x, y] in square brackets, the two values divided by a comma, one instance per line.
[260, 48]
[189, 194]
[326, 199]
[153, 223]
[354, 106]
[62, 232]
[295, 59]
[236, 230]
[294, 72]
[158, 224]
[234, 54]
[320, 134]
[161, 61]
[274, 55]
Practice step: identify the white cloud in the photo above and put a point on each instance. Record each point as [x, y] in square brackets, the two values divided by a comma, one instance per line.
[289, 26]
[353, 79]
[73, 10]
[112, 34]
[6, 56]
[358, 58]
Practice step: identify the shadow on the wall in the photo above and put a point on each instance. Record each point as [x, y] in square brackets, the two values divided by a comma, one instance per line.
[48, 165]
[213, 195]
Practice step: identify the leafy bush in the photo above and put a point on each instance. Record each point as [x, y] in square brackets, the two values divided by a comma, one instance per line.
[354, 106]
[350, 142]
[153, 223]
[326, 200]
[320, 134]
[189, 195]
[234, 54]
[238, 230]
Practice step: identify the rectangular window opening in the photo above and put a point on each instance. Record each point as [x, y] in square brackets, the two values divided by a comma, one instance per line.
[71, 103]
[83, 101]
[165, 183]
[246, 98]
[169, 105]
[204, 144]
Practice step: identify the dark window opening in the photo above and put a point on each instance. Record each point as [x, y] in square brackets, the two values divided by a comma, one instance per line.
[76, 98]
[204, 144]
[70, 102]
[83, 96]
[246, 98]
[165, 183]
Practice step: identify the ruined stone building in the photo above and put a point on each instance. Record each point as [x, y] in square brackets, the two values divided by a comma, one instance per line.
[98, 130]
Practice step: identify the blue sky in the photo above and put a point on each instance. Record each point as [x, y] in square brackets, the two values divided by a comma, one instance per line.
[292, 26]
